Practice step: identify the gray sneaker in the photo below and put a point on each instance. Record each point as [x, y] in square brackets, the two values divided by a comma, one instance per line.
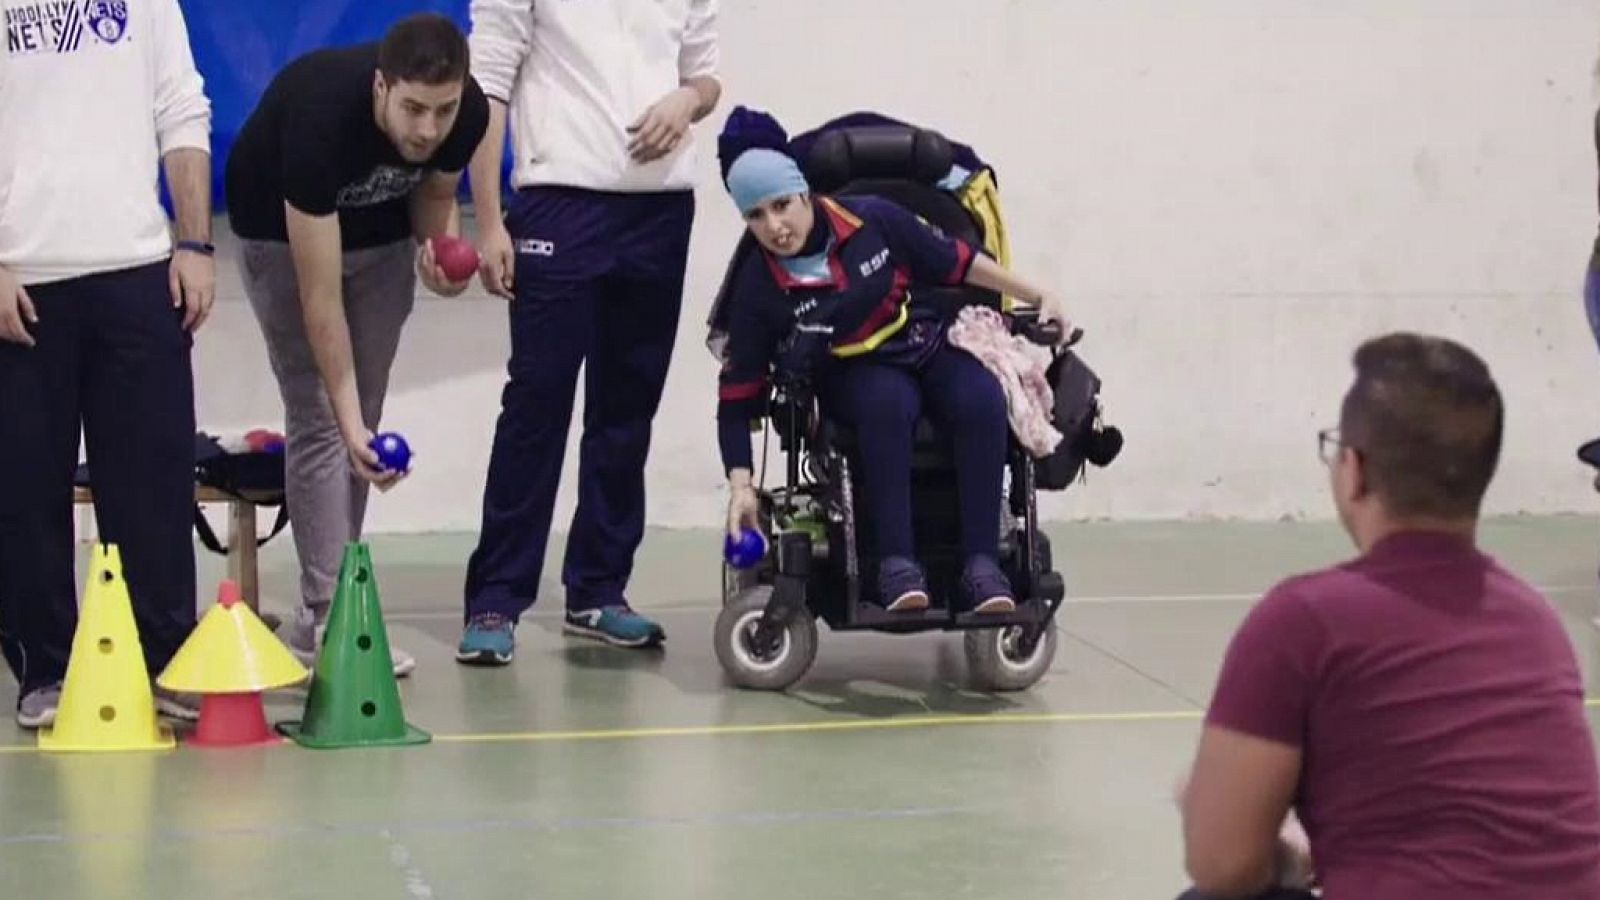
[38, 708]
[185, 707]
[303, 639]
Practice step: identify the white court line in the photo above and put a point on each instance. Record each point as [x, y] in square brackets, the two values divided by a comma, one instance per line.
[541, 610]
[417, 887]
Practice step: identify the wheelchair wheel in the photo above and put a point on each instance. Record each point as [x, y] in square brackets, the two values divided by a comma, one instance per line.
[1001, 659]
[754, 667]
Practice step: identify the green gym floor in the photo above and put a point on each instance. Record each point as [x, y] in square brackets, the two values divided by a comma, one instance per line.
[587, 771]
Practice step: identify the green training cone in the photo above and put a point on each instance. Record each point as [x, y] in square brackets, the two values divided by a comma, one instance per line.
[354, 700]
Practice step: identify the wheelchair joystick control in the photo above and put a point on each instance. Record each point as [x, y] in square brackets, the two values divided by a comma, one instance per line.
[750, 548]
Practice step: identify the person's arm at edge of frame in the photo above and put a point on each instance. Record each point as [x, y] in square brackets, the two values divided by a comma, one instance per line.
[1247, 767]
[501, 36]
[699, 58]
[497, 261]
[659, 129]
[1237, 798]
[182, 115]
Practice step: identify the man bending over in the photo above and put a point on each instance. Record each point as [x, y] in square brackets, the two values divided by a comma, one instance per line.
[345, 169]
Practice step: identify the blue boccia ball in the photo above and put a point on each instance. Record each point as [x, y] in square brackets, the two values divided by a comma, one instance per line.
[393, 452]
[746, 551]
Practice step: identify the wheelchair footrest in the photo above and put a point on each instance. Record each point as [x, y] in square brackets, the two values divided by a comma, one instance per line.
[1025, 614]
[868, 615]
[871, 616]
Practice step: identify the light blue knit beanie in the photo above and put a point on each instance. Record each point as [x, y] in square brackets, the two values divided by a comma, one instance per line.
[760, 174]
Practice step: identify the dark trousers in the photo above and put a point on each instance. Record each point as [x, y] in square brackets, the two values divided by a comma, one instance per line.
[599, 285]
[112, 357]
[882, 402]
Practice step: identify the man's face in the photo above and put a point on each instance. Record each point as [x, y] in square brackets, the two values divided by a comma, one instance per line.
[415, 116]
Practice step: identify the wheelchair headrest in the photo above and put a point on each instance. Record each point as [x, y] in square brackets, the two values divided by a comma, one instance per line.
[893, 152]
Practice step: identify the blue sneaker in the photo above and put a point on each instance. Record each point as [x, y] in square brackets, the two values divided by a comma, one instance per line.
[617, 625]
[902, 586]
[489, 640]
[987, 586]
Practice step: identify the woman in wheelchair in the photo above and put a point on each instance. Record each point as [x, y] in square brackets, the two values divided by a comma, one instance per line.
[831, 298]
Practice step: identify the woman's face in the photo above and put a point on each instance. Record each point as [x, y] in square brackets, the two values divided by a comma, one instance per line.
[782, 224]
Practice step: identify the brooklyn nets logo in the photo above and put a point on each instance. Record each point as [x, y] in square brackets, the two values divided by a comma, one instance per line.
[108, 18]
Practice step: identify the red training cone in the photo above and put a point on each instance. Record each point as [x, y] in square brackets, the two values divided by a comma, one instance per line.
[232, 720]
[229, 660]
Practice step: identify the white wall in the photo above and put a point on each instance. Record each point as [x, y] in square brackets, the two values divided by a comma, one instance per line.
[1230, 193]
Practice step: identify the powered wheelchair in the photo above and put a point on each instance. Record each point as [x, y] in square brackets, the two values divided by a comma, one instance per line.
[818, 563]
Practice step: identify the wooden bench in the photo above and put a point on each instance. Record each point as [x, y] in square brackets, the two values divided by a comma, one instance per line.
[242, 533]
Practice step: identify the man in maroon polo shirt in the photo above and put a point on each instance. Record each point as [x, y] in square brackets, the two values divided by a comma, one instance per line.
[1419, 707]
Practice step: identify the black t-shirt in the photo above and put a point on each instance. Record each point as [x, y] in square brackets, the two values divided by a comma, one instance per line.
[312, 141]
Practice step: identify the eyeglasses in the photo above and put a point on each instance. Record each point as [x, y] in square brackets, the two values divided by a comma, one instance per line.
[1328, 444]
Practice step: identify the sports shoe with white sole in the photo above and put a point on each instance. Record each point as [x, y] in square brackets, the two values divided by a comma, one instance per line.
[183, 707]
[303, 640]
[902, 585]
[489, 639]
[616, 625]
[987, 586]
[38, 708]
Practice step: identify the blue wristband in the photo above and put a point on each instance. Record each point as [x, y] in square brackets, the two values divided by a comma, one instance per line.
[200, 247]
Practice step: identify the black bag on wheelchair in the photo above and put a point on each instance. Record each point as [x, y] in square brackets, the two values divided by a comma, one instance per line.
[1084, 439]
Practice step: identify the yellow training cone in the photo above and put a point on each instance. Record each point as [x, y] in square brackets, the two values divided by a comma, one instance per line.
[229, 660]
[231, 652]
[106, 700]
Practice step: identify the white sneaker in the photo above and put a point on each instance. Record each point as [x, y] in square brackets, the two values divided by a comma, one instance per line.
[303, 640]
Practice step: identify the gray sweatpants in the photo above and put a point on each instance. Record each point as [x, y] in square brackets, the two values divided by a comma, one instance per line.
[327, 501]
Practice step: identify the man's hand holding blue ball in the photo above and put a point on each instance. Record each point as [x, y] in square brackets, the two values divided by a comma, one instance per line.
[393, 453]
[382, 459]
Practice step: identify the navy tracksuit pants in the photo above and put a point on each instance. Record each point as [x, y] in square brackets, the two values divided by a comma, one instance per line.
[110, 355]
[599, 284]
[882, 401]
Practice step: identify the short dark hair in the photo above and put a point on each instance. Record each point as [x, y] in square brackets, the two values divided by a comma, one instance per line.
[425, 48]
[1427, 419]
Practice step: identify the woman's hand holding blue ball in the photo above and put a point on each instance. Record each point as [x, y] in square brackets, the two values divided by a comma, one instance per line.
[748, 549]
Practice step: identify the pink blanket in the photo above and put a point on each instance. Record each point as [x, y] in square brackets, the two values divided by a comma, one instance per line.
[1019, 365]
